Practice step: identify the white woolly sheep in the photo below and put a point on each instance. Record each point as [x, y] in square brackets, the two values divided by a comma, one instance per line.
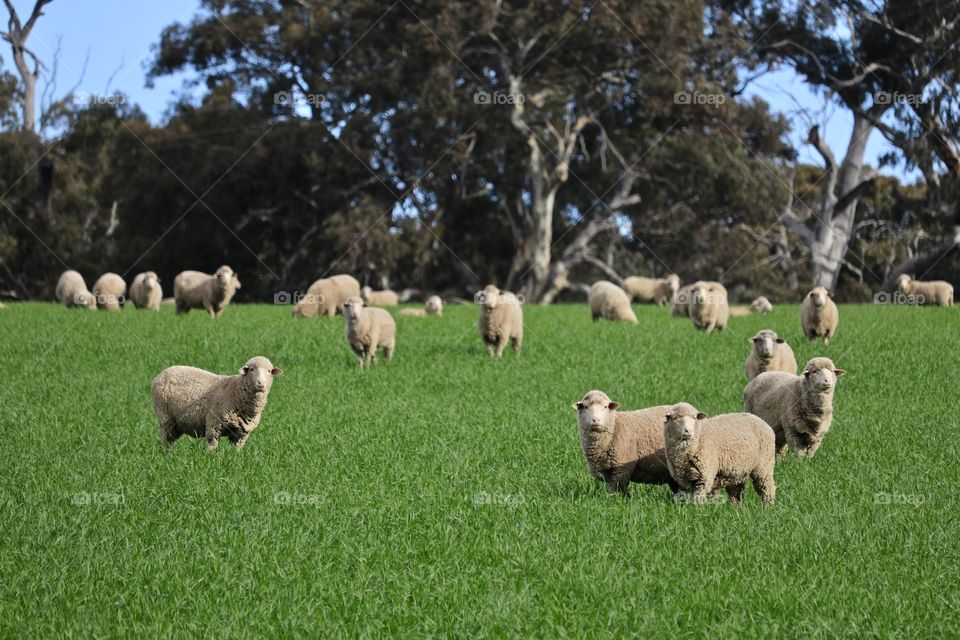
[656, 290]
[434, 306]
[621, 447]
[193, 402]
[145, 291]
[761, 305]
[798, 408]
[109, 290]
[681, 302]
[72, 291]
[500, 320]
[197, 290]
[819, 315]
[930, 292]
[368, 329]
[610, 302]
[384, 298]
[770, 352]
[414, 313]
[326, 296]
[705, 454]
[709, 309]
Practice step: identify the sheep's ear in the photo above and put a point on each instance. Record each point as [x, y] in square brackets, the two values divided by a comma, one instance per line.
[613, 405]
[276, 371]
[702, 416]
[830, 294]
[244, 369]
[577, 406]
[780, 340]
[839, 372]
[751, 340]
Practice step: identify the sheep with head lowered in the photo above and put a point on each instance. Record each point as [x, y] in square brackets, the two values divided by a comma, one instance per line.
[769, 352]
[709, 309]
[72, 291]
[109, 290]
[799, 409]
[621, 447]
[705, 454]
[500, 320]
[145, 291]
[192, 402]
[659, 291]
[819, 315]
[197, 290]
[369, 329]
[931, 292]
[326, 296]
[385, 298]
[761, 305]
[610, 302]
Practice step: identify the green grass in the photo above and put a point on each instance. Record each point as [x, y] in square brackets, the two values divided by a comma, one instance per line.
[445, 494]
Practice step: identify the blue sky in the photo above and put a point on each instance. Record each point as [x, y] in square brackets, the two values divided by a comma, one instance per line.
[116, 32]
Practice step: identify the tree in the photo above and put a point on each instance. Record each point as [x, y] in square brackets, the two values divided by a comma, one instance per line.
[17, 34]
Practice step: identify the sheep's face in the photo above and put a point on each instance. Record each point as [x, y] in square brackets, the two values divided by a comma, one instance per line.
[224, 276]
[765, 343]
[682, 425]
[353, 308]
[85, 299]
[821, 375]
[673, 281]
[903, 283]
[258, 373]
[594, 411]
[150, 282]
[489, 297]
[818, 296]
[434, 304]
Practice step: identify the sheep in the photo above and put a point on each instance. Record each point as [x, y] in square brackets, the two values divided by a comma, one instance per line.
[109, 290]
[326, 296]
[705, 454]
[434, 306]
[934, 292]
[770, 352]
[657, 290]
[368, 329]
[145, 292]
[197, 403]
[414, 313]
[761, 305]
[610, 302]
[500, 320]
[385, 298]
[819, 315]
[681, 302]
[196, 290]
[708, 306]
[798, 408]
[621, 447]
[72, 291]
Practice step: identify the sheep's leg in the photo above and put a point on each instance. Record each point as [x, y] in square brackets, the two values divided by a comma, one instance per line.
[489, 346]
[502, 344]
[210, 309]
[368, 357]
[814, 445]
[168, 432]
[735, 491]
[239, 442]
[213, 436]
[764, 485]
[701, 490]
[389, 349]
[517, 343]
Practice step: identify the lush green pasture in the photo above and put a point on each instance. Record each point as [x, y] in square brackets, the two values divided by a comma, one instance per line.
[445, 494]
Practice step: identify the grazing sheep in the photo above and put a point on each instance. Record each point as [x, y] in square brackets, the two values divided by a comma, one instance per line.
[708, 306]
[610, 302]
[681, 302]
[72, 291]
[819, 315]
[196, 290]
[621, 447]
[193, 402]
[369, 329]
[145, 292]
[761, 305]
[109, 290]
[434, 306]
[326, 296]
[770, 353]
[385, 298]
[414, 313]
[705, 454]
[500, 321]
[657, 290]
[798, 408]
[931, 292]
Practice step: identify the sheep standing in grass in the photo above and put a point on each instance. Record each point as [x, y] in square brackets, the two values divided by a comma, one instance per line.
[798, 408]
[659, 291]
[621, 447]
[705, 454]
[681, 302]
[196, 290]
[193, 402]
[72, 291]
[932, 292]
[761, 305]
[326, 296]
[819, 315]
[770, 352]
[500, 321]
[369, 329]
[709, 309]
[384, 298]
[145, 292]
[610, 302]
[109, 290]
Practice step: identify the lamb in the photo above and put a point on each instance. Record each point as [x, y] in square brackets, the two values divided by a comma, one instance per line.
[933, 292]
[500, 320]
[657, 290]
[368, 329]
[145, 292]
[196, 290]
[610, 302]
[384, 298]
[819, 315]
[415, 313]
[434, 306]
[770, 353]
[708, 306]
[705, 454]
[72, 291]
[197, 403]
[326, 296]
[798, 408]
[109, 290]
[622, 447]
[681, 302]
[761, 305]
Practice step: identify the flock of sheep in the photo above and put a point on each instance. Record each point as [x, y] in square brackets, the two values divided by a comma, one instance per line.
[676, 445]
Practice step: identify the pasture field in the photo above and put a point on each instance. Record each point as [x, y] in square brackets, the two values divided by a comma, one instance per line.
[445, 494]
